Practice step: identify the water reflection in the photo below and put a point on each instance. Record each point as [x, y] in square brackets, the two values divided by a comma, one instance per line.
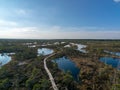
[114, 62]
[4, 58]
[66, 64]
[80, 48]
[44, 51]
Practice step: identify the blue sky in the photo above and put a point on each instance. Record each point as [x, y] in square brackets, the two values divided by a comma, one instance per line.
[60, 19]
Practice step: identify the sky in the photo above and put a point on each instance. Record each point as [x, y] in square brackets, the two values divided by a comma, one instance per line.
[60, 19]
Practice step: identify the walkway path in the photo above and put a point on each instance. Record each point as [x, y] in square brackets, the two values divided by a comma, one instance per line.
[49, 73]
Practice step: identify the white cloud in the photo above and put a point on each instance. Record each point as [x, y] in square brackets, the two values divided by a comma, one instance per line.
[17, 32]
[116, 1]
[11, 29]
[21, 12]
[7, 23]
[24, 29]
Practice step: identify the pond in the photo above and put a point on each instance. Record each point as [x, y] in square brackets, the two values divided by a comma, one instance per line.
[80, 48]
[114, 62]
[4, 59]
[66, 64]
[44, 51]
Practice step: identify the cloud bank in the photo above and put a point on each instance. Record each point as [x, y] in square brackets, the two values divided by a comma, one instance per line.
[116, 1]
[10, 29]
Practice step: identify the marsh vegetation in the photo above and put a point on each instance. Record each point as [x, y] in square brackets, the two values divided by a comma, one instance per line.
[26, 70]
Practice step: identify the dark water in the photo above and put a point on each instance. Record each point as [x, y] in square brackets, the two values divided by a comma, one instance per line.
[66, 64]
[4, 59]
[44, 51]
[114, 62]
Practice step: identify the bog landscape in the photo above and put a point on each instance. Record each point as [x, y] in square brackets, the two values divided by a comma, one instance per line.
[59, 44]
[73, 64]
